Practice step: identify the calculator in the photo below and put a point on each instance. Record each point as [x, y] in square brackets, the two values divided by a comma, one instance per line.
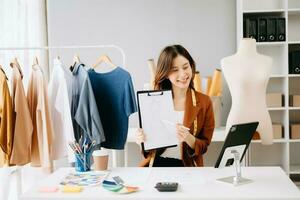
[166, 186]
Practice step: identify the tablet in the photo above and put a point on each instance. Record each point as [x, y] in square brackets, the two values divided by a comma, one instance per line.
[238, 138]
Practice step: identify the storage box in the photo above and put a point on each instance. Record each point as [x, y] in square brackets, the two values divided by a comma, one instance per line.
[295, 131]
[294, 100]
[274, 100]
[277, 131]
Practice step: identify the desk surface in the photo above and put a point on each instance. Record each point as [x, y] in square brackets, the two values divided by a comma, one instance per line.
[194, 183]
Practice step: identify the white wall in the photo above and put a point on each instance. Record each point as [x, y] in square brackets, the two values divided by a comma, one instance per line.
[142, 28]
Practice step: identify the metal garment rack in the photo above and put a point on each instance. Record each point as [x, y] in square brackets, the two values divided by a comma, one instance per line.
[70, 47]
[46, 48]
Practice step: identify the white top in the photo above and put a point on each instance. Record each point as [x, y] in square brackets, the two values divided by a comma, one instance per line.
[60, 113]
[247, 74]
[194, 183]
[174, 152]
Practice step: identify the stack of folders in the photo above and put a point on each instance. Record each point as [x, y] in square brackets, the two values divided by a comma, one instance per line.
[265, 29]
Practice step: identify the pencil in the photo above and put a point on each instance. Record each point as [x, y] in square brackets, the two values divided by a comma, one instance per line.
[173, 124]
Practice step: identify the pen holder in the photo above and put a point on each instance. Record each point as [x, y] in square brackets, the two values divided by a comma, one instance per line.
[83, 162]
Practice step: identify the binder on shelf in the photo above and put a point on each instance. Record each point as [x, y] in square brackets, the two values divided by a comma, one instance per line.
[281, 29]
[294, 62]
[244, 28]
[271, 29]
[251, 28]
[262, 29]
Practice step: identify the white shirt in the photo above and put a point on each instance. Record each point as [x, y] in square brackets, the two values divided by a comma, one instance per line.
[174, 152]
[60, 113]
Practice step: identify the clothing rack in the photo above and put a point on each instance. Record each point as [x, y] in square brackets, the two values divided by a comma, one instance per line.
[70, 47]
[17, 169]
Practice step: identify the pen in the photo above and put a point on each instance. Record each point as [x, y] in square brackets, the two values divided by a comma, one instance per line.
[76, 145]
[91, 146]
[173, 124]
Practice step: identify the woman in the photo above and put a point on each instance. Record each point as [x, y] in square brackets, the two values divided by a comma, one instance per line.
[175, 71]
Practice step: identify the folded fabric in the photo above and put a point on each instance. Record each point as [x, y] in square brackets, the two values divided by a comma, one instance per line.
[71, 189]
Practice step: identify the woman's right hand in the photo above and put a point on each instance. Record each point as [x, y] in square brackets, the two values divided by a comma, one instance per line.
[140, 136]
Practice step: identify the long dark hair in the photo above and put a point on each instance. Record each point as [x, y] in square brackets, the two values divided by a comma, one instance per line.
[164, 65]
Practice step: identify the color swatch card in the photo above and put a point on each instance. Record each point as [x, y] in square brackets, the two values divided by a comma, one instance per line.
[48, 189]
[117, 188]
[84, 179]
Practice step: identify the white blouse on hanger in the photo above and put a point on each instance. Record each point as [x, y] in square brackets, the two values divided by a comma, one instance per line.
[60, 113]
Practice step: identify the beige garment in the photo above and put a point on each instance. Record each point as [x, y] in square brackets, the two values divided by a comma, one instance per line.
[6, 132]
[22, 121]
[42, 136]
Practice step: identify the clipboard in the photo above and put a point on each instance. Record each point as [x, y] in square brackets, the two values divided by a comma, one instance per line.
[154, 108]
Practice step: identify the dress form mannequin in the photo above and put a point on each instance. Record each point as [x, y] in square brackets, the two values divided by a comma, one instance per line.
[247, 74]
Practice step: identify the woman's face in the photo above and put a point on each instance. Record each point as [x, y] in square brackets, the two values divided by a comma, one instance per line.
[181, 72]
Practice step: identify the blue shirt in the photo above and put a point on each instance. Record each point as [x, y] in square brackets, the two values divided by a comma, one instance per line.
[115, 99]
[84, 112]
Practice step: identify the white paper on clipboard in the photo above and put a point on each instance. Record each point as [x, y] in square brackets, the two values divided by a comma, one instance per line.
[155, 108]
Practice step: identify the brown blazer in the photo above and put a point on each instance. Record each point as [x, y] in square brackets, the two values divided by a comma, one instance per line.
[205, 127]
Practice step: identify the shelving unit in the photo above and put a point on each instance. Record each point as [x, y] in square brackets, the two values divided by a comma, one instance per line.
[271, 44]
[264, 11]
[284, 152]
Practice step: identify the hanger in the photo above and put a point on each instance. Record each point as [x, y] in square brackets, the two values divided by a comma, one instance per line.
[15, 62]
[76, 59]
[104, 58]
[57, 54]
[3, 72]
[35, 61]
[35, 64]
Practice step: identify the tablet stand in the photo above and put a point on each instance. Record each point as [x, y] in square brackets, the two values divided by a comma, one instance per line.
[237, 179]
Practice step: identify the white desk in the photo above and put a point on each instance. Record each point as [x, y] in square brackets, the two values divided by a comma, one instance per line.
[194, 183]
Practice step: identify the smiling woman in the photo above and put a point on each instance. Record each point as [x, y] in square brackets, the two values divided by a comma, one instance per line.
[195, 119]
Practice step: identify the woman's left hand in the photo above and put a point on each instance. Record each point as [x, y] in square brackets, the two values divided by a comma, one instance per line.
[184, 135]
